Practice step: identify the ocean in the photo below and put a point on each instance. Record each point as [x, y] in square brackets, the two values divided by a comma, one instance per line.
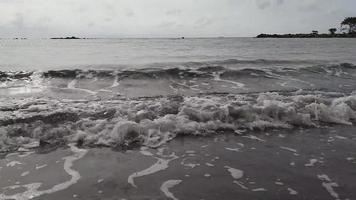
[145, 94]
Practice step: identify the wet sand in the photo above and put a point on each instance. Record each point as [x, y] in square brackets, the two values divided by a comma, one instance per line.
[301, 164]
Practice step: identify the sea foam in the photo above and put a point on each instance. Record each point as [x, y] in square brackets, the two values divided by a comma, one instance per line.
[154, 121]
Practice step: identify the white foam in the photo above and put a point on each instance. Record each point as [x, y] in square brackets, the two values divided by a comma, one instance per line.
[253, 137]
[168, 185]
[13, 163]
[278, 183]
[189, 164]
[153, 122]
[292, 192]
[160, 165]
[209, 165]
[218, 78]
[41, 166]
[115, 83]
[241, 185]
[235, 173]
[232, 149]
[71, 85]
[350, 158]
[259, 190]
[289, 149]
[340, 137]
[329, 185]
[32, 188]
[311, 163]
[25, 173]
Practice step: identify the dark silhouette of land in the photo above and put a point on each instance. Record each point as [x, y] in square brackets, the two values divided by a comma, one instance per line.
[67, 38]
[347, 30]
[310, 35]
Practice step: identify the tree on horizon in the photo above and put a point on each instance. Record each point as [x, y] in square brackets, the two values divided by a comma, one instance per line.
[351, 23]
[332, 31]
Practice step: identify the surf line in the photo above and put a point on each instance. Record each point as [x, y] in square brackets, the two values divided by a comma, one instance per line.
[32, 188]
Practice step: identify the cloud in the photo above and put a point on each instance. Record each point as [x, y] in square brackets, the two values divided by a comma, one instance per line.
[203, 22]
[166, 24]
[262, 4]
[279, 2]
[174, 12]
[159, 18]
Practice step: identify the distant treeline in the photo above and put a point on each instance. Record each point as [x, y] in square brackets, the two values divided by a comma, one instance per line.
[67, 38]
[347, 30]
[310, 35]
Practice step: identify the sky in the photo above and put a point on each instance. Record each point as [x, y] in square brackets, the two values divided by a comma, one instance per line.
[169, 18]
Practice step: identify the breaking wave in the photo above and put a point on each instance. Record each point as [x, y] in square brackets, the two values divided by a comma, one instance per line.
[237, 68]
[154, 121]
[195, 98]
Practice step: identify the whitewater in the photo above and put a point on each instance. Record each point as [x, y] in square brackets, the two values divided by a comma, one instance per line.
[154, 118]
[151, 102]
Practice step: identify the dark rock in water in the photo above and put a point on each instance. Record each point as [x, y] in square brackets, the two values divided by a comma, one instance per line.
[66, 38]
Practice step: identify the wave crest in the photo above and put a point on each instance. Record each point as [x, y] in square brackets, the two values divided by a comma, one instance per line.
[152, 122]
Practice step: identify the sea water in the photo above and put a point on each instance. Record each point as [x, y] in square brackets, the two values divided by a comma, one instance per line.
[122, 92]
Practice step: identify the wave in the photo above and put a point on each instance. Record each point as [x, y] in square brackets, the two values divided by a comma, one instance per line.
[202, 69]
[155, 121]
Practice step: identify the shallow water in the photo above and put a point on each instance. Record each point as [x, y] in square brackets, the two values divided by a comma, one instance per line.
[123, 92]
[194, 168]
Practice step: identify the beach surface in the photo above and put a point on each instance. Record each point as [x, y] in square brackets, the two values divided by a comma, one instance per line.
[298, 164]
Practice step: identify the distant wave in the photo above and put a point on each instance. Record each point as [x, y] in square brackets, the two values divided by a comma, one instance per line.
[191, 69]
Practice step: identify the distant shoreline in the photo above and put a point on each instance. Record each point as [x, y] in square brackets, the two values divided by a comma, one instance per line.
[309, 35]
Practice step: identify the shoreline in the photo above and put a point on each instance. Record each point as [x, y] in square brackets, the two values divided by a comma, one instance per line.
[302, 164]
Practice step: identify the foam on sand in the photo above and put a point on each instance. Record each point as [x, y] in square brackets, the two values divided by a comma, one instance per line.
[13, 163]
[32, 188]
[235, 173]
[289, 149]
[329, 185]
[311, 163]
[292, 192]
[168, 185]
[161, 164]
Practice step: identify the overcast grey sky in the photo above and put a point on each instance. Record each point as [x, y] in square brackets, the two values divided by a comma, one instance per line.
[168, 18]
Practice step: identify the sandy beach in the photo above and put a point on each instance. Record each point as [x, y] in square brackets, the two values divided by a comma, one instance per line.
[300, 164]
